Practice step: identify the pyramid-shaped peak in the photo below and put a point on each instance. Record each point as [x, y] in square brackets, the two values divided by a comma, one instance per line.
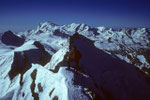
[48, 23]
[51, 23]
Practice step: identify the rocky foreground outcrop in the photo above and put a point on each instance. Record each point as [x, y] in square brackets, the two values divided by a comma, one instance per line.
[23, 59]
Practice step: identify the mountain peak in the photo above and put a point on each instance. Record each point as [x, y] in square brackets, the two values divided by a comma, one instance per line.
[46, 27]
[101, 28]
[51, 23]
[48, 23]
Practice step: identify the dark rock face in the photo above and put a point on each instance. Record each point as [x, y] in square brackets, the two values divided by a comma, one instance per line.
[39, 45]
[32, 87]
[9, 38]
[23, 60]
[113, 79]
[59, 33]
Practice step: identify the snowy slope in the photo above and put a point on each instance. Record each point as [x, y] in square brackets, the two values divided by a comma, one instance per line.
[105, 70]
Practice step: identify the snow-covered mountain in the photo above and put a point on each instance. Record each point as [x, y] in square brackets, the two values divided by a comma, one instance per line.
[131, 45]
[115, 64]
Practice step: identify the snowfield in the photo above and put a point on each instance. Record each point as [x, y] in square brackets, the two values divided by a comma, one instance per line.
[114, 64]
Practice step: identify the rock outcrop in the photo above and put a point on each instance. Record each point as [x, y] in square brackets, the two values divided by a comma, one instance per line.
[9, 38]
[23, 59]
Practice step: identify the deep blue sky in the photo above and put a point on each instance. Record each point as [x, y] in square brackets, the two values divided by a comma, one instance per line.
[21, 15]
